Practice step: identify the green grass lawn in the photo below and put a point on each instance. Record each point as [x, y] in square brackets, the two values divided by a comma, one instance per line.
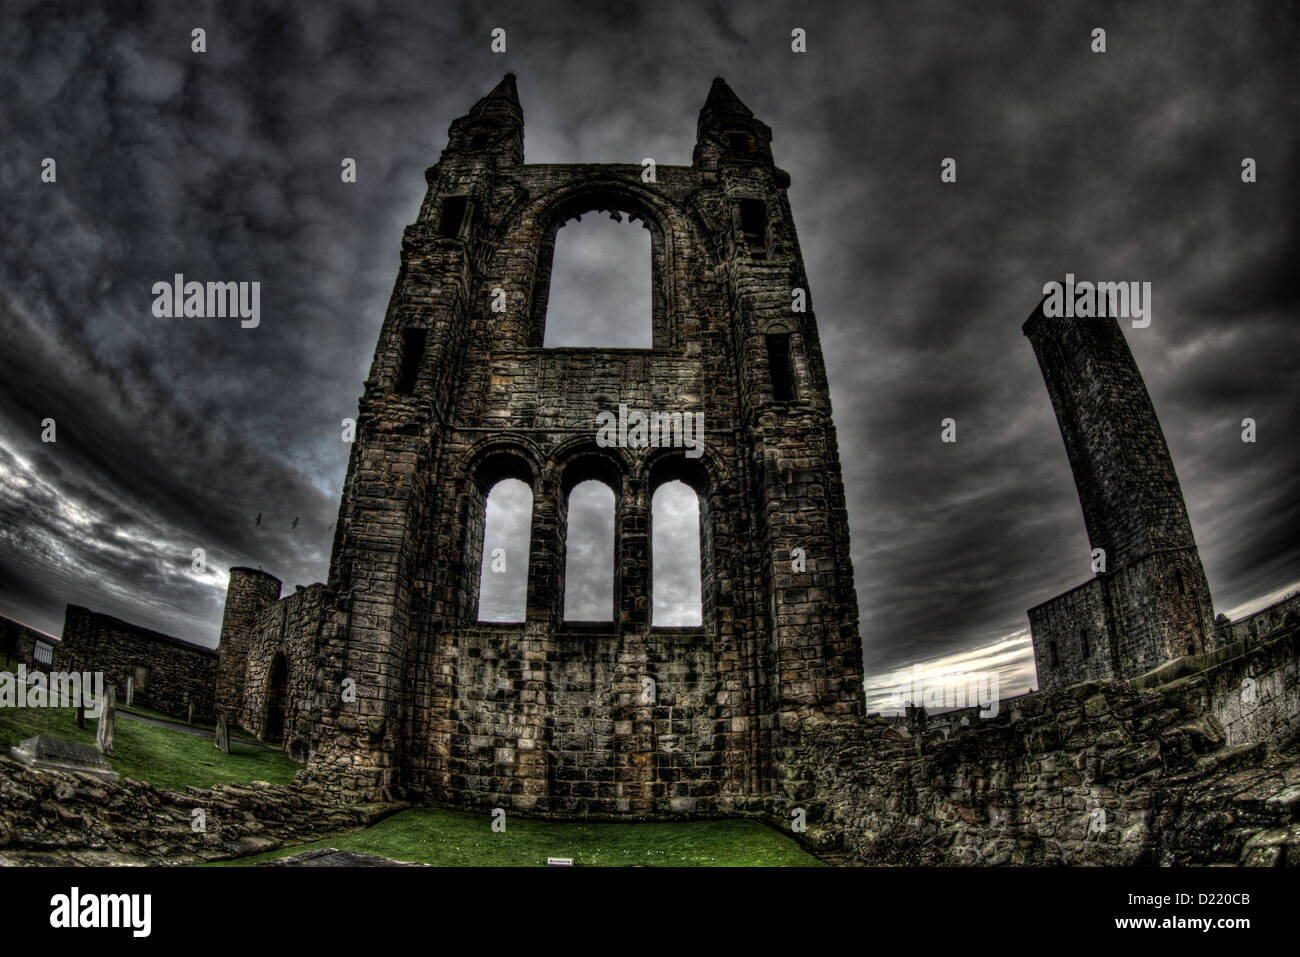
[235, 730]
[163, 757]
[463, 838]
[173, 759]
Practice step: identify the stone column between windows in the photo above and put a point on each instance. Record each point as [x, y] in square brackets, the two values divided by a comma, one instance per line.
[633, 557]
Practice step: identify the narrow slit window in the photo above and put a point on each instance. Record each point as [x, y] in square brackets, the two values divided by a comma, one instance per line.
[780, 367]
[412, 352]
[1182, 586]
[753, 223]
[453, 216]
[1083, 641]
[1055, 658]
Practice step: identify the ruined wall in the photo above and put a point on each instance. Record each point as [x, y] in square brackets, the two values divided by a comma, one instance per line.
[461, 395]
[170, 673]
[1259, 623]
[1062, 655]
[1169, 770]
[278, 694]
[1160, 612]
[248, 592]
[56, 818]
[1153, 591]
[568, 724]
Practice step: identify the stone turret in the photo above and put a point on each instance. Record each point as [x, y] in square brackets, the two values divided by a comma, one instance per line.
[248, 593]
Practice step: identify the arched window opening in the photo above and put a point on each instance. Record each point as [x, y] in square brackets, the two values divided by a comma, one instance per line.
[589, 553]
[503, 574]
[675, 555]
[600, 284]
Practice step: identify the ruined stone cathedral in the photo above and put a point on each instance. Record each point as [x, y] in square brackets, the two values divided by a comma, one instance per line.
[385, 681]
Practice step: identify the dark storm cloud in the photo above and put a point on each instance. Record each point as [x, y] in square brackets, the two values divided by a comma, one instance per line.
[175, 434]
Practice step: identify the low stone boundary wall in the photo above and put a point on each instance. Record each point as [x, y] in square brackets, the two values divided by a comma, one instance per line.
[1169, 769]
[58, 818]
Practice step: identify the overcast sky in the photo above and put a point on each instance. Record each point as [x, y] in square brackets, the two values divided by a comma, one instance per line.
[1125, 165]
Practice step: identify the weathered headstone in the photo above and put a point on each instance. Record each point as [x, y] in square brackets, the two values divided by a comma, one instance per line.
[189, 717]
[223, 735]
[53, 754]
[130, 691]
[107, 715]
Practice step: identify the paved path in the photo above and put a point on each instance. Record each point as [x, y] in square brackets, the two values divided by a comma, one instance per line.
[194, 729]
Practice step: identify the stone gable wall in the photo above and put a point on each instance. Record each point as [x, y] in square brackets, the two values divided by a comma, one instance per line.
[179, 673]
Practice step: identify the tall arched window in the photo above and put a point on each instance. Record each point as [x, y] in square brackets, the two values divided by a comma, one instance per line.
[675, 554]
[503, 575]
[589, 553]
[600, 284]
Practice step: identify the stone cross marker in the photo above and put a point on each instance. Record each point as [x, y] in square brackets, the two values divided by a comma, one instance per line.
[107, 715]
[130, 691]
[223, 735]
[189, 717]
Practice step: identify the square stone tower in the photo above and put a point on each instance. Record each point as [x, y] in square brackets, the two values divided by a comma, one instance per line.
[416, 695]
[1151, 603]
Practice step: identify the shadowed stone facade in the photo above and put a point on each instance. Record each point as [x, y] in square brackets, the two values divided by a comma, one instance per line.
[168, 674]
[1151, 603]
[268, 646]
[412, 693]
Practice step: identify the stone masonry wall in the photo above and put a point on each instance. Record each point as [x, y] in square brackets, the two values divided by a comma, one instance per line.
[249, 592]
[596, 739]
[482, 401]
[286, 629]
[1154, 592]
[1172, 772]
[1059, 653]
[176, 672]
[1260, 623]
[57, 818]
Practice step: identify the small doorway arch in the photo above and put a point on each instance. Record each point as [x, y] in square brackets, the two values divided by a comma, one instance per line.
[277, 694]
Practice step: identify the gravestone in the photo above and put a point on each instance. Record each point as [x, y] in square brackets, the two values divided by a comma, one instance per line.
[130, 691]
[189, 716]
[223, 735]
[107, 715]
[81, 716]
[52, 754]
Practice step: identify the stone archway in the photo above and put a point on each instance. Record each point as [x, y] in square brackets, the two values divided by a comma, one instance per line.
[277, 699]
